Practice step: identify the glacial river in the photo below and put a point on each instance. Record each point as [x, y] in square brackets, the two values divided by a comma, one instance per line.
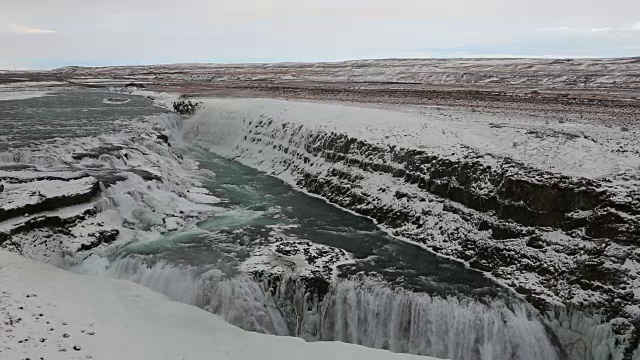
[390, 294]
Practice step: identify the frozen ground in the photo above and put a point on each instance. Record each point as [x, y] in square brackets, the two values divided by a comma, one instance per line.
[617, 74]
[567, 148]
[48, 313]
[603, 90]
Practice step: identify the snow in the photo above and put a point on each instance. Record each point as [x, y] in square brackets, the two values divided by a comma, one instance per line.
[57, 312]
[589, 151]
[66, 213]
[16, 196]
[199, 190]
[152, 183]
[203, 198]
[160, 98]
[525, 74]
[27, 175]
[173, 223]
[295, 257]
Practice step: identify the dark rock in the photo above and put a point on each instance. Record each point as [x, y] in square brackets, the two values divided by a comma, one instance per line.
[610, 224]
[186, 107]
[95, 153]
[145, 175]
[100, 238]
[536, 242]
[55, 223]
[136, 85]
[164, 138]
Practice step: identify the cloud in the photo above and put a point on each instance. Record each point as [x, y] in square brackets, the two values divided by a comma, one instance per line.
[634, 27]
[21, 29]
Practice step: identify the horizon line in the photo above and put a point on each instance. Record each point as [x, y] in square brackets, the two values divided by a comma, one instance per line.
[440, 58]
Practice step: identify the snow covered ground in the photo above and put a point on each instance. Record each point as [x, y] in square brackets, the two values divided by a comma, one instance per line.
[571, 149]
[526, 74]
[48, 313]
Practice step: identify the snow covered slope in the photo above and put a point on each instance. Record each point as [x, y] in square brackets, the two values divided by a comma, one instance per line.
[571, 149]
[49, 313]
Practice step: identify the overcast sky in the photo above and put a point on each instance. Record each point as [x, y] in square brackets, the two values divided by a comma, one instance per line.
[53, 33]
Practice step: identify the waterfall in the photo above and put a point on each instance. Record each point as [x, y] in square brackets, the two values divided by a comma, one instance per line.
[238, 301]
[406, 322]
[369, 315]
[420, 324]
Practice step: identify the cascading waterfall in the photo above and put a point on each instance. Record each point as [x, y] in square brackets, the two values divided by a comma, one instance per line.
[376, 316]
[419, 324]
[239, 300]
[368, 315]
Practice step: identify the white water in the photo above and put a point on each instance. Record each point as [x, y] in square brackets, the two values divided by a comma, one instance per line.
[419, 324]
[368, 315]
[239, 301]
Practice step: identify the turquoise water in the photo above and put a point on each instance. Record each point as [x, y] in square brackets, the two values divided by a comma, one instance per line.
[256, 202]
[258, 209]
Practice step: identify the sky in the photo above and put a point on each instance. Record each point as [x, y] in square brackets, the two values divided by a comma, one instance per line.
[42, 34]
